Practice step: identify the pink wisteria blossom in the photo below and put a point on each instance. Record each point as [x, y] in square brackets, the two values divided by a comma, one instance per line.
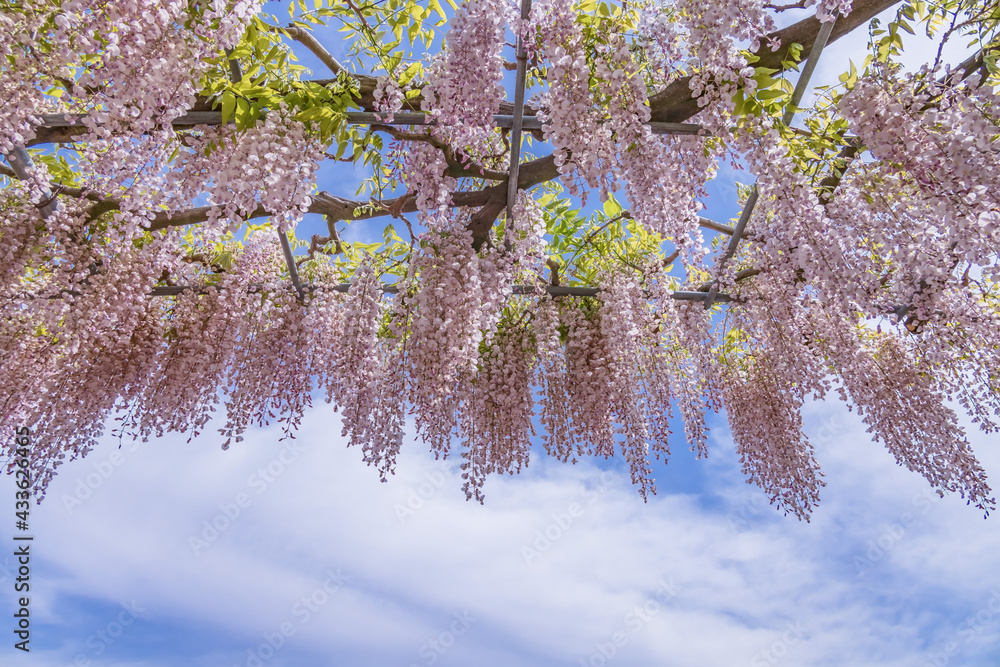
[151, 277]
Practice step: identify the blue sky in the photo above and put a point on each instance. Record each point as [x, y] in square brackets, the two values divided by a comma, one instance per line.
[294, 554]
[167, 552]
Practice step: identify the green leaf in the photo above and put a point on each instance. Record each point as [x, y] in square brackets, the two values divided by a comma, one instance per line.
[228, 105]
[314, 113]
[850, 78]
[243, 116]
[740, 102]
[409, 73]
[436, 6]
[611, 207]
[770, 94]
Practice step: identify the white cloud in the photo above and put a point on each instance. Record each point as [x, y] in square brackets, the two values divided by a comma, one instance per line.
[553, 566]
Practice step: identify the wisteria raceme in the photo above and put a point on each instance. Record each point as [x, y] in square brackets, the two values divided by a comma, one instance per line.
[763, 414]
[946, 148]
[496, 275]
[662, 38]
[663, 184]
[463, 88]
[957, 348]
[444, 334]
[820, 254]
[664, 175]
[358, 370]
[389, 98]
[387, 418]
[553, 384]
[142, 73]
[269, 375]
[128, 305]
[584, 145]
[902, 409]
[353, 362]
[828, 10]
[206, 331]
[497, 412]
[364, 377]
[272, 166]
[104, 343]
[587, 377]
[774, 450]
[422, 169]
[714, 31]
[625, 337]
[161, 87]
[526, 234]
[21, 98]
[794, 236]
[683, 368]
[520, 258]
[21, 228]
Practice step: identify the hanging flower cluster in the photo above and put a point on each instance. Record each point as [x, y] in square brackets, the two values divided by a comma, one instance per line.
[389, 98]
[878, 287]
[272, 165]
[444, 329]
[943, 155]
[584, 144]
[423, 168]
[463, 88]
[829, 10]
[663, 175]
[497, 411]
[714, 32]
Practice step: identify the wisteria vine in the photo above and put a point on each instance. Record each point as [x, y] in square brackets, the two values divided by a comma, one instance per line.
[867, 270]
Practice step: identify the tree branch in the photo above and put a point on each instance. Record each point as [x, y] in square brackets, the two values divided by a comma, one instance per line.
[675, 104]
[306, 38]
[334, 207]
[456, 168]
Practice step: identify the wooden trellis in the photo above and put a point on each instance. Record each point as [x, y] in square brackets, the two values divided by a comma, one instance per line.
[21, 163]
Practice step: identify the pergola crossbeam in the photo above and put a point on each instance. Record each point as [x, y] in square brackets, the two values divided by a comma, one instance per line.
[517, 120]
[502, 121]
[517, 123]
[551, 290]
[800, 88]
[20, 161]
